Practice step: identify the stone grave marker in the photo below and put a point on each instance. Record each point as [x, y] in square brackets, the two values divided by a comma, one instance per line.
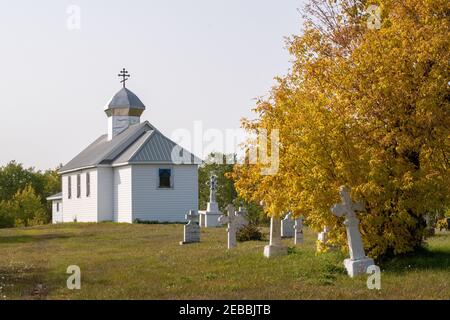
[287, 226]
[191, 229]
[358, 262]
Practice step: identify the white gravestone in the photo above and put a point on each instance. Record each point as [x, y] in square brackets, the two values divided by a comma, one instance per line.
[298, 231]
[191, 229]
[210, 217]
[358, 262]
[275, 247]
[235, 221]
[287, 226]
[323, 236]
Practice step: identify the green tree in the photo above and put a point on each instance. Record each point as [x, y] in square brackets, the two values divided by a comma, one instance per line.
[6, 218]
[27, 209]
[14, 178]
[217, 164]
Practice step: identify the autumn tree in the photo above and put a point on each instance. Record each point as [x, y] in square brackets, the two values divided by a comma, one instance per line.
[363, 106]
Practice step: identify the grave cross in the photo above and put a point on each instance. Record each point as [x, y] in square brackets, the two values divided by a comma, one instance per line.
[212, 188]
[235, 221]
[125, 75]
[358, 262]
[348, 208]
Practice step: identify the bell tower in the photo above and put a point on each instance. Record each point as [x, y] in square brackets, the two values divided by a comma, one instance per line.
[124, 109]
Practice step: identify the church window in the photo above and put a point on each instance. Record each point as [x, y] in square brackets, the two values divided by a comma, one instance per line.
[78, 186]
[165, 178]
[69, 187]
[88, 184]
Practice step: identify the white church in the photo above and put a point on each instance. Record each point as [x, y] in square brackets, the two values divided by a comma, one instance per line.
[132, 173]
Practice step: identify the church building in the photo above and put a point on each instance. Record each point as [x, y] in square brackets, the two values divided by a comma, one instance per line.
[131, 173]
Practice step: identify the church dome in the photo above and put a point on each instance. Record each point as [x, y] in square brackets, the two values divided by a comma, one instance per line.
[124, 98]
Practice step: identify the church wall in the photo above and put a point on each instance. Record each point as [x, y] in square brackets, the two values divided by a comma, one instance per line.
[82, 209]
[105, 194]
[151, 203]
[57, 215]
[122, 194]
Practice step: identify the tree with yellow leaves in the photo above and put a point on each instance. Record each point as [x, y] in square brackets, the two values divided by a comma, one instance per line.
[366, 105]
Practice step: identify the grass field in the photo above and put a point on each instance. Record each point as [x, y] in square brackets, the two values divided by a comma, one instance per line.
[122, 261]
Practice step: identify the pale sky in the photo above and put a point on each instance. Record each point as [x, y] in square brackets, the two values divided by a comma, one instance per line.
[189, 60]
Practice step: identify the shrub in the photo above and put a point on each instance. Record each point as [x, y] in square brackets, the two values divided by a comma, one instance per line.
[248, 233]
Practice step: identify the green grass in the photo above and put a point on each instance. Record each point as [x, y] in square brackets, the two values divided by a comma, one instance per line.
[145, 261]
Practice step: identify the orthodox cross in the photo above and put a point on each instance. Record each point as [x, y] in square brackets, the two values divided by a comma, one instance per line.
[212, 188]
[125, 75]
[235, 221]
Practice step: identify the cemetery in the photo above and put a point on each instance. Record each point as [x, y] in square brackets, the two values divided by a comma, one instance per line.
[202, 259]
[146, 261]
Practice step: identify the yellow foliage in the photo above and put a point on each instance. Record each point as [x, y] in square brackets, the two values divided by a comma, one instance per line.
[366, 108]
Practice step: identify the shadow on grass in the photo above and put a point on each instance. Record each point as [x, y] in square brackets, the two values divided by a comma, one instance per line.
[34, 238]
[421, 259]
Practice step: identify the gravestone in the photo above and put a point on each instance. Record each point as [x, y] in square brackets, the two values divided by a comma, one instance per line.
[323, 236]
[275, 247]
[298, 231]
[358, 262]
[287, 226]
[191, 229]
[235, 220]
[210, 217]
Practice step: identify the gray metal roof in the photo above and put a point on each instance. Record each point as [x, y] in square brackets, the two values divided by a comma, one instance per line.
[102, 151]
[140, 143]
[57, 196]
[125, 98]
[154, 147]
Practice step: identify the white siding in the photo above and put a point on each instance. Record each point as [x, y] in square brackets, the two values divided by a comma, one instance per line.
[57, 215]
[153, 204]
[105, 194]
[122, 194]
[83, 209]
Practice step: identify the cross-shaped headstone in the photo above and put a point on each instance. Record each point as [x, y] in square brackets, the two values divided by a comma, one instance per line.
[235, 221]
[347, 207]
[125, 75]
[358, 261]
[212, 188]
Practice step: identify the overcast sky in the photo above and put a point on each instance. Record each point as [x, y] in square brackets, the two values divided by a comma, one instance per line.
[189, 60]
